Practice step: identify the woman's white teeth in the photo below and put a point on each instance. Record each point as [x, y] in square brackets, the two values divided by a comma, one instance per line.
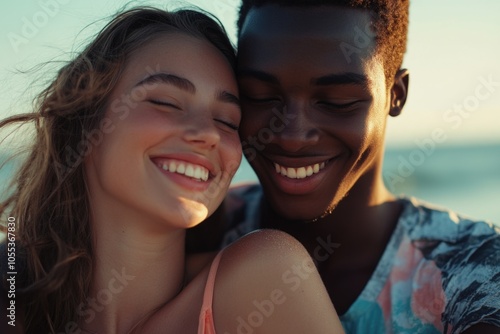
[299, 173]
[190, 170]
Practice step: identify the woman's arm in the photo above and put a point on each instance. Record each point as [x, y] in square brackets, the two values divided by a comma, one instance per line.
[268, 283]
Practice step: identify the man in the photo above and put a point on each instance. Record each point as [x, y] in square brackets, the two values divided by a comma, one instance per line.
[318, 80]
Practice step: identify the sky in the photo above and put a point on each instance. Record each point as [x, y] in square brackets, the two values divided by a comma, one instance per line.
[453, 57]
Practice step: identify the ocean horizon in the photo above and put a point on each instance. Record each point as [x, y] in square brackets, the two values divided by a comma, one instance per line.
[465, 179]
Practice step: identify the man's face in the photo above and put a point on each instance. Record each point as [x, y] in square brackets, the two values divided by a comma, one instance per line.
[314, 103]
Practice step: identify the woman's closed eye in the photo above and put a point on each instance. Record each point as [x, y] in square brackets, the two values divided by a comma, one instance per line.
[228, 124]
[164, 103]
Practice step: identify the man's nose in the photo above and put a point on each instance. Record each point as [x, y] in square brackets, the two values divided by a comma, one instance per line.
[299, 131]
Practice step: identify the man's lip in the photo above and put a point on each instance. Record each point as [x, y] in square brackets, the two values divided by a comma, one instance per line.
[191, 158]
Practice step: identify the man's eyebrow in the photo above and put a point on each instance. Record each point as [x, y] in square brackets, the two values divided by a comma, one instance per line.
[347, 78]
[259, 75]
[225, 96]
[169, 79]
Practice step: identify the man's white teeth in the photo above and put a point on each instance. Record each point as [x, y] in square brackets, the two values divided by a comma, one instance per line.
[299, 173]
[184, 168]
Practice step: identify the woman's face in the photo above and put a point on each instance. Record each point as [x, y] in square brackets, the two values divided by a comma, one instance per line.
[169, 143]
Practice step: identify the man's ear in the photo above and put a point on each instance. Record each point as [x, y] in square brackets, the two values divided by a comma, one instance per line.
[399, 92]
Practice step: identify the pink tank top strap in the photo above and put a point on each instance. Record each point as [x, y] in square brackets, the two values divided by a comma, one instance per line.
[206, 321]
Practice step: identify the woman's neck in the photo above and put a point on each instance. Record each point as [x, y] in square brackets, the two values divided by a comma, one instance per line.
[135, 271]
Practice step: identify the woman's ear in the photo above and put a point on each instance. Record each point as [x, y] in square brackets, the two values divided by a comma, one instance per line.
[399, 92]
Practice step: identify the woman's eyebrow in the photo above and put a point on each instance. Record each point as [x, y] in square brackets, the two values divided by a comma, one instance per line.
[169, 79]
[185, 84]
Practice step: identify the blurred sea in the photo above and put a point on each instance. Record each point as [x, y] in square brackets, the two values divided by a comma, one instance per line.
[465, 179]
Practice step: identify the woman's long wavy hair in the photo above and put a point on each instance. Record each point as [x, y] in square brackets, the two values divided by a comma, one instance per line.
[49, 197]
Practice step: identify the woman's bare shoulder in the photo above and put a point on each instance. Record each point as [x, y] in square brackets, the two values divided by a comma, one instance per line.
[268, 272]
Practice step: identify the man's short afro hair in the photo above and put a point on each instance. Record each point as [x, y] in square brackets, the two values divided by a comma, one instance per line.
[390, 23]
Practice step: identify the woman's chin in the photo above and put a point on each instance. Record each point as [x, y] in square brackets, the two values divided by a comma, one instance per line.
[191, 213]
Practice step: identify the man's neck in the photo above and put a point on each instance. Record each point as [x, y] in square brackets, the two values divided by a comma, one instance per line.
[364, 213]
[348, 243]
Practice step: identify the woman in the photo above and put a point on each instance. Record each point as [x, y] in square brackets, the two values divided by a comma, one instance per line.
[136, 141]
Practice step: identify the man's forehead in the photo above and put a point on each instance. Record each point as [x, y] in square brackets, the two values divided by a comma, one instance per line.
[275, 21]
[326, 38]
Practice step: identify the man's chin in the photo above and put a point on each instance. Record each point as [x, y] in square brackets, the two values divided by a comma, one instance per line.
[302, 211]
[294, 213]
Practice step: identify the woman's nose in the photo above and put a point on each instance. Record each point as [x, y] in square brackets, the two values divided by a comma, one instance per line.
[201, 131]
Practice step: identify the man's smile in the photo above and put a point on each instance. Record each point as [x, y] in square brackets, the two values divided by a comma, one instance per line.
[300, 172]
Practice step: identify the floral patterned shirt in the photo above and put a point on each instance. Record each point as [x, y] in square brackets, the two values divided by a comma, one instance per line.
[439, 273]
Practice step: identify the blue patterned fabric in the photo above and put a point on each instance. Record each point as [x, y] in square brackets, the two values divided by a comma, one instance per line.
[439, 273]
